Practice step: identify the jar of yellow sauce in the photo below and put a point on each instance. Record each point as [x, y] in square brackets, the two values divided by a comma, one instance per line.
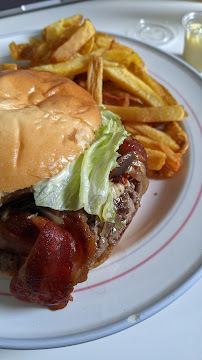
[192, 23]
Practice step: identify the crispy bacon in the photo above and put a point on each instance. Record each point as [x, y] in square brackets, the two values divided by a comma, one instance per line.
[46, 276]
[132, 163]
[112, 95]
[131, 145]
[17, 232]
[76, 224]
[111, 99]
[59, 259]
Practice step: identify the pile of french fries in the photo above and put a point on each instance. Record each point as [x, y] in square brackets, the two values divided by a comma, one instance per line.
[117, 77]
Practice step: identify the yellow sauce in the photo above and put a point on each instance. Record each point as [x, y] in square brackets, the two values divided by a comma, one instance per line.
[193, 46]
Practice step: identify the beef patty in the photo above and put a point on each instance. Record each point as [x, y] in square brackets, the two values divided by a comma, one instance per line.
[129, 182]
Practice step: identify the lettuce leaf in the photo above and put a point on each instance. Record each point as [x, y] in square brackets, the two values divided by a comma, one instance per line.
[85, 182]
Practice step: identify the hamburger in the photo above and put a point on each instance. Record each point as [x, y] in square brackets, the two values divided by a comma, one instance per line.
[71, 181]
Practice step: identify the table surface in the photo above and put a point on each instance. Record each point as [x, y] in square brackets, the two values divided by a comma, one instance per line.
[173, 333]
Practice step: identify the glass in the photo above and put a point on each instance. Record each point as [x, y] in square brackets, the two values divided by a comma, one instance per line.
[192, 23]
[155, 32]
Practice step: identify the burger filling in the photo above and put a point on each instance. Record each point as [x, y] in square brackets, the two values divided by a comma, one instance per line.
[49, 250]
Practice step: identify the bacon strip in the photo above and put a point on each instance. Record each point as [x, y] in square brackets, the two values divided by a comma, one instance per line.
[111, 99]
[59, 259]
[132, 163]
[117, 96]
[132, 145]
[76, 225]
[17, 232]
[45, 278]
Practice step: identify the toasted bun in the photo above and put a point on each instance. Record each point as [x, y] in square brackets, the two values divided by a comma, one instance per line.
[46, 121]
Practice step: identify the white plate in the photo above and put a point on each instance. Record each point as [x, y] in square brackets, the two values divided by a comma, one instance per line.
[159, 256]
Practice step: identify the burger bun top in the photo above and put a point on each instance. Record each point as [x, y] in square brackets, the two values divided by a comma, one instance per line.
[46, 121]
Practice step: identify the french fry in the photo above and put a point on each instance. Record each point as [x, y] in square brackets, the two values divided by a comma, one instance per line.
[155, 159]
[17, 50]
[131, 130]
[94, 78]
[174, 160]
[74, 44]
[76, 65]
[117, 45]
[167, 96]
[131, 83]
[148, 143]
[88, 46]
[135, 114]
[41, 51]
[158, 88]
[116, 55]
[144, 76]
[65, 36]
[164, 173]
[36, 51]
[9, 66]
[35, 41]
[107, 63]
[52, 32]
[178, 135]
[103, 40]
[156, 135]
[123, 57]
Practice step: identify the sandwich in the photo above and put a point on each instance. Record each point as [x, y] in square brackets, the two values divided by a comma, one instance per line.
[71, 182]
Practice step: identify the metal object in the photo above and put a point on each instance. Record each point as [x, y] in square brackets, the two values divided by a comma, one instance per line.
[9, 8]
